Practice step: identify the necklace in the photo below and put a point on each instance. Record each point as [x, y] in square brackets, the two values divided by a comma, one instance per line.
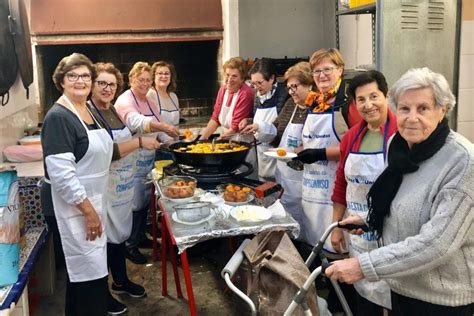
[300, 112]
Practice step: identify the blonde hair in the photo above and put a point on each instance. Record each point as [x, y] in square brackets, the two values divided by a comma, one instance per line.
[236, 63]
[332, 54]
[137, 69]
[302, 72]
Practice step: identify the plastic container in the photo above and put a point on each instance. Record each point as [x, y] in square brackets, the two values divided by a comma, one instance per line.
[359, 3]
[30, 140]
[193, 212]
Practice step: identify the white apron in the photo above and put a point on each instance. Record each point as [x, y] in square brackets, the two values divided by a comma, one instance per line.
[168, 116]
[318, 178]
[119, 196]
[143, 165]
[86, 260]
[361, 170]
[266, 165]
[289, 178]
[227, 112]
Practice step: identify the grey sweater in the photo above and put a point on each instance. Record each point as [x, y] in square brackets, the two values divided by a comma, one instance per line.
[429, 235]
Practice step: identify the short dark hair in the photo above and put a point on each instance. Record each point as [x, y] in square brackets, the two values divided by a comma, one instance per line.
[71, 62]
[366, 78]
[111, 69]
[265, 67]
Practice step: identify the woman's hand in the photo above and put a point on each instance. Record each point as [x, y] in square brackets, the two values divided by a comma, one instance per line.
[347, 271]
[244, 123]
[93, 225]
[250, 129]
[150, 143]
[171, 130]
[353, 219]
[338, 240]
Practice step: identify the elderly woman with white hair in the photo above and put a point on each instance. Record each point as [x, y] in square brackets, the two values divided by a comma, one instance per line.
[422, 207]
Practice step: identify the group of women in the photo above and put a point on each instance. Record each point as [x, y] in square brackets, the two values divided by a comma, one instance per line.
[403, 173]
[96, 159]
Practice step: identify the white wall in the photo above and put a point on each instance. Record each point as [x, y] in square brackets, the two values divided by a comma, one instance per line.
[466, 73]
[20, 113]
[355, 40]
[279, 28]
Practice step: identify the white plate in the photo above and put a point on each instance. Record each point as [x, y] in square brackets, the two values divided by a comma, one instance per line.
[174, 216]
[250, 213]
[250, 198]
[273, 154]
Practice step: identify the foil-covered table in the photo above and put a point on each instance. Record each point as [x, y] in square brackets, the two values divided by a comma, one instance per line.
[220, 225]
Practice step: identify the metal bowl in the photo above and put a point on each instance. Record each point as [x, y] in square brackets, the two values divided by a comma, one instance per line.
[178, 187]
[193, 212]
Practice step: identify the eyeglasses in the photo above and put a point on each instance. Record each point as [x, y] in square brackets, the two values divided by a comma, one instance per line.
[143, 81]
[257, 83]
[73, 77]
[326, 71]
[105, 84]
[293, 87]
[163, 74]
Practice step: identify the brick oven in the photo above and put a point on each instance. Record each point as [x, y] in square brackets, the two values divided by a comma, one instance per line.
[187, 33]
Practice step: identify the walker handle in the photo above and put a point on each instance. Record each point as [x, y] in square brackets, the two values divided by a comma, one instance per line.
[364, 227]
[234, 262]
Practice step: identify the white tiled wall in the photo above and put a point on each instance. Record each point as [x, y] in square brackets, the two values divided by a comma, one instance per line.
[466, 81]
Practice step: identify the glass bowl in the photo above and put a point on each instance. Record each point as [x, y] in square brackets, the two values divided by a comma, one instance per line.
[178, 187]
[193, 212]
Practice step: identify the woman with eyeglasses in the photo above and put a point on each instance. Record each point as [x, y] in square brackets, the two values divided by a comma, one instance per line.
[77, 153]
[285, 132]
[331, 113]
[234, 100]
[119, 196]
[269, 100]
[163, 92]
[141, 115]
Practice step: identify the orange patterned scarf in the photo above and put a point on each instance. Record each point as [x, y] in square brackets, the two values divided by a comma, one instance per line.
[321, 99]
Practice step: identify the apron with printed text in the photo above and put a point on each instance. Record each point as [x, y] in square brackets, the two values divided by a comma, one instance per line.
[318, 178]
[143, 165]
[85, 260]
[289, 178]
[119, 195]
[361, 170]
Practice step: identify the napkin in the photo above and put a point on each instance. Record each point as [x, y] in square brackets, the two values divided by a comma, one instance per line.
[277, 209]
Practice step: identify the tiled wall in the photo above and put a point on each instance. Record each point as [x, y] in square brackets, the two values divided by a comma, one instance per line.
[466, 73]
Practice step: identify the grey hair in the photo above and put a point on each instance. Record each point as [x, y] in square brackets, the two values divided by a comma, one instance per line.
[419, 78]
